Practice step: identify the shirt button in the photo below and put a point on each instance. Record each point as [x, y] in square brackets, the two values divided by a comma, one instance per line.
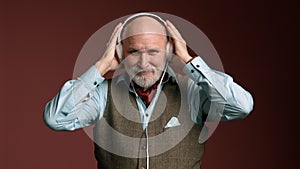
[146, 114]
[198, 83]
[192, 71]
[197, 65]
[95, 83]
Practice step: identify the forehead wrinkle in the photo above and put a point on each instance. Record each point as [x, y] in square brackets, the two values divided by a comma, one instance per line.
[145, 41]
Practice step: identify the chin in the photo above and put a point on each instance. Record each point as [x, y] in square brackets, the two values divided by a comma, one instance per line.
[144, 81]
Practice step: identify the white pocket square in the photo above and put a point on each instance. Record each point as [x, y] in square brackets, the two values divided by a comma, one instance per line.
[173, 122]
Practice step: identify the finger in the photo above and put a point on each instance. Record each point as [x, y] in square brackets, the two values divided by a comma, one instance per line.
[172, 29]
[114, 35]
[116, 29]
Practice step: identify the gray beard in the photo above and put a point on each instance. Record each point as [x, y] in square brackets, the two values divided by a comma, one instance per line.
[144, 81]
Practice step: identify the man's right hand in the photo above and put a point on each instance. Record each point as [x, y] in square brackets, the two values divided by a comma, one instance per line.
[108, 60]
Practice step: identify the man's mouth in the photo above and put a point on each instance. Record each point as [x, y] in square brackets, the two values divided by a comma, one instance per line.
[144, 73]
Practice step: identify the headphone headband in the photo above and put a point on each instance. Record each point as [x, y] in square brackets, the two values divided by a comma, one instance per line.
[158, 18]
[144, 14]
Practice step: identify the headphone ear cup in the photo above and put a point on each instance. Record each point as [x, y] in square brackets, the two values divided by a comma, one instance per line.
[169, 50]
[119, 50]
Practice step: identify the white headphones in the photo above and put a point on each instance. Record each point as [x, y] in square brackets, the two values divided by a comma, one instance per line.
[119, 48]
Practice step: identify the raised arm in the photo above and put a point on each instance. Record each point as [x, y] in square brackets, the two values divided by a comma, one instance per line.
[211, 93]
[214, 94]
[81, 102]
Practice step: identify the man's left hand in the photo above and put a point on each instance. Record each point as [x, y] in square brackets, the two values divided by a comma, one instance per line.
[179, 43]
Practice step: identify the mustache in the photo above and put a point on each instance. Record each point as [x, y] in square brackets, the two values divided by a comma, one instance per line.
[138, 70]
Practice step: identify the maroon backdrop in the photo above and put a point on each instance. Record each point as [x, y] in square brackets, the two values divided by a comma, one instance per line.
[40, 41]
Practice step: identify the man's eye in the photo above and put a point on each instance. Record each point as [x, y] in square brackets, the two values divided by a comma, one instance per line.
[132, 51]
[153, 52]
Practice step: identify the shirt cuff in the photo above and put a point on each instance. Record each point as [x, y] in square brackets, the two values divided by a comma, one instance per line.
[196, 68]
[91, 78]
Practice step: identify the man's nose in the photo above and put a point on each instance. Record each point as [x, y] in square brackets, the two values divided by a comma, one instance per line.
[143, 60]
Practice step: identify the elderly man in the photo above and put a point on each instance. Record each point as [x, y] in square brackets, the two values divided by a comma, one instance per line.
[161, 112]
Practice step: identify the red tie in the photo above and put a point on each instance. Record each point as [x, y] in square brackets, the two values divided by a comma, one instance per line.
[146, 95]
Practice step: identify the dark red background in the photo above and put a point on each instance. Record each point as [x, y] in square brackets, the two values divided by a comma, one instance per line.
[40, 41]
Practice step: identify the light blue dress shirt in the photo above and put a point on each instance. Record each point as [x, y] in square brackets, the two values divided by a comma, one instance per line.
[81, 102]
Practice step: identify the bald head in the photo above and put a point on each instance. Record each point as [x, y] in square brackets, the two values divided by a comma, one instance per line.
[143, 25]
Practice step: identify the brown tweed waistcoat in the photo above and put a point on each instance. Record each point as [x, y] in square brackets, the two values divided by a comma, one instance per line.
[121, 131]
